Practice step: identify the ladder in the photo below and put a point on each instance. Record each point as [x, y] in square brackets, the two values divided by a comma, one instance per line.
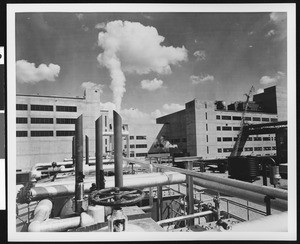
[236, 151]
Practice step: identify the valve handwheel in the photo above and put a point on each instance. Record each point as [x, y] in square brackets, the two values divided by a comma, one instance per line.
[116, 196]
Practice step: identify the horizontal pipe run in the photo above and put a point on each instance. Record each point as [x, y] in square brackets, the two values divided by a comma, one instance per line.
[41, 213]
[271, 223]
[185, 217]
[140, 181]
[265, 190]
[254, 197]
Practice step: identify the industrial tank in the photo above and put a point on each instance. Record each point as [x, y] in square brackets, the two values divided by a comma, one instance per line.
[244, 168]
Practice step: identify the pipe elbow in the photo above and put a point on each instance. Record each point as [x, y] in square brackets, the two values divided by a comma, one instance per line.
[34, 226]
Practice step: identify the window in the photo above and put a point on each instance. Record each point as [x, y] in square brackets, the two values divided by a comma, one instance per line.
[141, 146]
[131, 146]
[265, 119]
[105, 141]
[226, 117]
[267, 148]
[21, 133]
[141, 155]
[234, 138]
[249, 138]
[257, 138]
[207, 150]
[273, 148]
[218, 138]
[218, 117]
[227, 149]
[257, 148]
[141, 137]
[183, 140]
[236, 118]
[41, 133]
[206, 115]
[266, 139]
[66, 108]
[274, 120]
[206, 138]
[205, 105]
[236, 128]
[22, 106]
[206, 127]
[227, 138]
[256, 119]
[21, 120]
[226, 128]
[131, 137]
[65, 121]
[132, 155]
[105, 121]
[218, 127]
[219, 150]
[41, 121]
[248, 149]
[65, 133]
[36, 107]
[247, 118]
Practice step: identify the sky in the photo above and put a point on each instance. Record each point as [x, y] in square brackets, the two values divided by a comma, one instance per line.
[150, 64]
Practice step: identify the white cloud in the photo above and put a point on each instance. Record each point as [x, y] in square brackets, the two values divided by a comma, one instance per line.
[135, 116]
[151, 85]
[79, 16]
[89, 84]
[200, 55]
[201, 79]
[279, 19]
[265, 80]
[173, 107]
[260, 90]
[100, 26]
[134, 48]
[270, 33]
[27, 72]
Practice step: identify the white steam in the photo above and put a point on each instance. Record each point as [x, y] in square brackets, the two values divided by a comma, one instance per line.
[134, 48]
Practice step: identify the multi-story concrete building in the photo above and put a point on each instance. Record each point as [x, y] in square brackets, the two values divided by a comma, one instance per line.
[210, 129]
[46, 126]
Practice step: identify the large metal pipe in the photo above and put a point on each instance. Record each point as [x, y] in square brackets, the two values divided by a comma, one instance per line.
[265, 190]
[190, 193]
[79, 164]
[251, 196]
[53, 189]
[118, 150]
[185, 217]
[272, 223]
[100, 183]
[87, 149]
[41, 213]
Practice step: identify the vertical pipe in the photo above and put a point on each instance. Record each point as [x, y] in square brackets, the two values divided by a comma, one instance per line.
[127, 146]
[118, 158]
[159, 201]
[73, 150]
[79, 191]
[100, 183]
[87, 150]
[151, 188]
[189, 191]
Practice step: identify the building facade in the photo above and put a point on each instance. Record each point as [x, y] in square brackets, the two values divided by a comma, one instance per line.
[46, 125]
[209, 130]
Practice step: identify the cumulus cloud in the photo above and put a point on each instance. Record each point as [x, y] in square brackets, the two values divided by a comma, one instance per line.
[89, 84]
[200, 55]
[270, 33]
[173, 107]
[130, 47]
[151, 85]
[27, 72]
[265, 80]
[201, 79]
[100, 26]
[279, 20]
[260, 90]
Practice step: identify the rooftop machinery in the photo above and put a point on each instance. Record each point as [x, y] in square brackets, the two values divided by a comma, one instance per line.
[145, 201]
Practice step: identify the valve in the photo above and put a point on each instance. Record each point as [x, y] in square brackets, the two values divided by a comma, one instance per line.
[274, 175]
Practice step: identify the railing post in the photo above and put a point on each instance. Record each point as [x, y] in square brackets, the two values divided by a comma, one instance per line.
[268, 205]
[190, 195]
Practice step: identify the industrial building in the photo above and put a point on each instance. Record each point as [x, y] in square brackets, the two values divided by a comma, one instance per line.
[209, 129]
[46, 126]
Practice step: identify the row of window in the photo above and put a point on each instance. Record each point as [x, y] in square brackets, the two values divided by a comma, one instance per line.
[45, 133]
[37, 107]
[257, 138]
[24, 120]
[248, 149]
[228, 117]
[137, 146]
[228, 128]
[138, 137]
